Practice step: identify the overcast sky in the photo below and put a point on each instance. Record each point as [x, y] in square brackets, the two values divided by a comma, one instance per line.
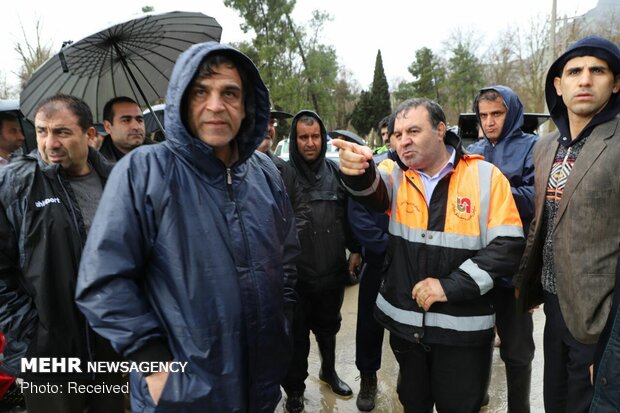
[357, 31]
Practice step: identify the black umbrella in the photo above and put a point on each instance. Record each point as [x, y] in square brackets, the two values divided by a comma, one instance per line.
[134, 59]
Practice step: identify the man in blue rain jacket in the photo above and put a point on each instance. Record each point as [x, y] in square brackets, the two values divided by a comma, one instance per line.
[500, 115]
[193, 249]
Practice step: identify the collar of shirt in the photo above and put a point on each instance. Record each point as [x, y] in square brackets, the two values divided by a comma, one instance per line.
[430, 182]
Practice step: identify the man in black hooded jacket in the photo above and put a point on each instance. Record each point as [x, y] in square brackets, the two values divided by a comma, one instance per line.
[574, 240]
[322, 265]
[47, 202]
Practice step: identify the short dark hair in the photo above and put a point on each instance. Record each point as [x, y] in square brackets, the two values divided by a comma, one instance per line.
[307, 120]
[108, 108]
[435, 112]
[490, 95]
[383, 123]
[76, 105]
[7, 116]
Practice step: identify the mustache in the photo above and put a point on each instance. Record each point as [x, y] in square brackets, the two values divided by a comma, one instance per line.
[56, 152]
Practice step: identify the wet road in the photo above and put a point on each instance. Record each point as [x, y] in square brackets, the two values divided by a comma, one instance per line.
[319, 398]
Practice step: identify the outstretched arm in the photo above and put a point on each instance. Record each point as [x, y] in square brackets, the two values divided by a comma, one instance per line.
[360, 176]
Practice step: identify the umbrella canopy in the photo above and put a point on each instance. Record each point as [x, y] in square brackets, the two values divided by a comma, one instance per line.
[134, 59]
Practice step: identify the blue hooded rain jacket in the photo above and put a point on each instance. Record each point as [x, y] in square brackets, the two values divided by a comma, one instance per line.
[191, 261]
[513, 155]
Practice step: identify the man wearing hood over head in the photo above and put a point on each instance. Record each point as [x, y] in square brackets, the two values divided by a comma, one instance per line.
[192, 253]
[322, 265]
[289, 176]
[500, 116]
[574, 242]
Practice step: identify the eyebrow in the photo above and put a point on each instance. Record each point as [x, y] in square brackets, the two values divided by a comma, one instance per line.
[585, 66]
[54, 130]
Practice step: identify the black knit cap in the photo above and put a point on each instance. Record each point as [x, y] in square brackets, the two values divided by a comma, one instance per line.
[596, 46]
[593, 45]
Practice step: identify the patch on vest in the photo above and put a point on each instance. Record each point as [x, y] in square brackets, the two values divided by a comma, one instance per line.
[463, 208]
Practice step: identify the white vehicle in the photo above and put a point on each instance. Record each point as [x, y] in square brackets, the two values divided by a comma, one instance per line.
[282, 150]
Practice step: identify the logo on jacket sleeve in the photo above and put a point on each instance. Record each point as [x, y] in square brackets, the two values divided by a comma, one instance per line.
[45, 202]
[463, 208]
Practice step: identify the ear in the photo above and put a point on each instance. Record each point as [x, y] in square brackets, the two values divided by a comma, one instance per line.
[107, 126]
[616, 87]
[91, 133]
[556, 83]
[441, 130]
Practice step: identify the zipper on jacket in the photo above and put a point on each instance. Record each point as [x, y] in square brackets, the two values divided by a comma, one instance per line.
[77, 228]
[246, 241]
[229, 184]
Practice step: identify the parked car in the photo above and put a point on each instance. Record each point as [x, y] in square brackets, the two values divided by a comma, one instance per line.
[281, 150]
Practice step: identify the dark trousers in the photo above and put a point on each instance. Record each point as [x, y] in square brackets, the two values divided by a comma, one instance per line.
[515, 330]
[566, 382]
[66, 402]
[318, 312]
[369, 333]
[451, 378]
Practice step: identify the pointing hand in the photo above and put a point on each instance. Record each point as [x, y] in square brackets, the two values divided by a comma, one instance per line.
[354, 158]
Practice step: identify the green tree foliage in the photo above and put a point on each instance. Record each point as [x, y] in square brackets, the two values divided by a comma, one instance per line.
[379, 91]
[360, 118]
[344, 99]
[464, 78]
[374, 105]
[429, 74]
[300, 72]
[404, 90]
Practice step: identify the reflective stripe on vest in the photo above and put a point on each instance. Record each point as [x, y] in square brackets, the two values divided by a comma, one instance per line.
[482, 278]
[430, 319]
[435, 238]
[366, 192]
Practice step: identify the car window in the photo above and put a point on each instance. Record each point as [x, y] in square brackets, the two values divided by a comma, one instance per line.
[282, 149]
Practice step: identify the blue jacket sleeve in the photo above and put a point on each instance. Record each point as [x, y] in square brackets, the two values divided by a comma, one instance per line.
[109, 289]
[524, 193]
[368, 227]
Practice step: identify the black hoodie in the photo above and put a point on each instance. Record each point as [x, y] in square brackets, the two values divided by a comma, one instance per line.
[322, 264]
[596, 46]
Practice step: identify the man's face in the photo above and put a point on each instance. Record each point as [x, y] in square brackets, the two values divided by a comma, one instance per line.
[11, 136]
[60, 139]
[309, 141]
[216, 106]
[418, 145]
[492, 117]
[265, 145]
[585, 85]
[127, 127]
[384, 135]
